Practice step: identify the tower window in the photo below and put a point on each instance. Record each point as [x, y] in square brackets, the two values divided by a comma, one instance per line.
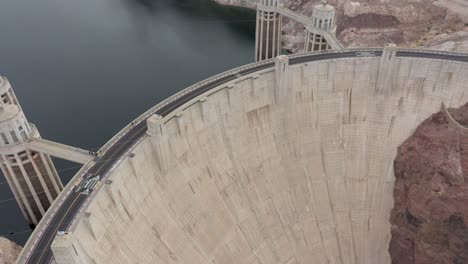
[5, 99]
[13, 136]
[5, 139]
[23, 135]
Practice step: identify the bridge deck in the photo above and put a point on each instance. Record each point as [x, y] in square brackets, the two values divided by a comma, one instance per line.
[60, 150]
[293, 15]
[334, 43]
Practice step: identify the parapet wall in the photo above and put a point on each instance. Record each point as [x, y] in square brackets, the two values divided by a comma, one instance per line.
[263, 173]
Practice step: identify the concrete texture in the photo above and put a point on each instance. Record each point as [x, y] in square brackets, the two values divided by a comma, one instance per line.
[288, 166]
[60, 150]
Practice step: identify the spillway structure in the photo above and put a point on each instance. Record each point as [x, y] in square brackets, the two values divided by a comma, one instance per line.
[287, 160]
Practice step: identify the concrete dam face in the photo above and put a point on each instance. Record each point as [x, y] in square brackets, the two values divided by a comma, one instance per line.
[293, 165]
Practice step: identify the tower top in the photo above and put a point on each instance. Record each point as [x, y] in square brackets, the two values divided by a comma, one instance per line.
[323, 17]
[272, 3]
[324, 7]
[8, 111]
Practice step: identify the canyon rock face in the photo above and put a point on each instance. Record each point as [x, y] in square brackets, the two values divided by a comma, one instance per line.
[430, 215]
[440, 24]
[9, 251]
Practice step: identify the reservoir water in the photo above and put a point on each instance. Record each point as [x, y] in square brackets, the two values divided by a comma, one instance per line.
[84, 69]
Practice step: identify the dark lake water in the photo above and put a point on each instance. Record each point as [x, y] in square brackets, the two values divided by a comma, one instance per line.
[83, 69]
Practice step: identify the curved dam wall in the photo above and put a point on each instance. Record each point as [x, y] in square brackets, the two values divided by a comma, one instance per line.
[286, 166]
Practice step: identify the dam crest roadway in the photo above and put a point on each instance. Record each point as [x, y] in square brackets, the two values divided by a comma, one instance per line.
[200, 177]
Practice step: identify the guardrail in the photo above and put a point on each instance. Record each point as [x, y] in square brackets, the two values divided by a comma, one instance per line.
[34, 238]
[68, 188]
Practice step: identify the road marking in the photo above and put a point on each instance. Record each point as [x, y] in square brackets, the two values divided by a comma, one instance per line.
[61, 220]
[74, 201]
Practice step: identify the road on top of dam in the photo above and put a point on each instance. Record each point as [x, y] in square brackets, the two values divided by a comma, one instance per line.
[63, 218]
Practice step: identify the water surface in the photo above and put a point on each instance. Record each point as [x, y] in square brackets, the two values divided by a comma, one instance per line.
[84, 69]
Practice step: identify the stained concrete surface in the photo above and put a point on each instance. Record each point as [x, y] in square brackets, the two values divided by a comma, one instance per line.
[298, 170]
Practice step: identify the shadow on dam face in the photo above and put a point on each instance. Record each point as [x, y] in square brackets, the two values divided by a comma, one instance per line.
[254, 176]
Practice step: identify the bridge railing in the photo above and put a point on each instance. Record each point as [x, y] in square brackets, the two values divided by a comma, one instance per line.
[29, 247]
[423, 51]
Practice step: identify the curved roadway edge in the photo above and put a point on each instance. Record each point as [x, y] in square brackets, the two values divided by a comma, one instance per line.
[452, 120]
[67, 206]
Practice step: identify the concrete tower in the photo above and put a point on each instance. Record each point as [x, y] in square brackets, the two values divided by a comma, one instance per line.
[31, 175]
[322, 22]
[268, 30]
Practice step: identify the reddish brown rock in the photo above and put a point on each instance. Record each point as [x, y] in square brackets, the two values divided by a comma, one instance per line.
[430, 215]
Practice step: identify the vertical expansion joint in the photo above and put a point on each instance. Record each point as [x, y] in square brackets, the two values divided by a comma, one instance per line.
[281, 77]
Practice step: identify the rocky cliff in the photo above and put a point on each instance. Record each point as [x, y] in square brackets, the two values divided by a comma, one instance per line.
[440, 24]
[430, 215]
[9, 251]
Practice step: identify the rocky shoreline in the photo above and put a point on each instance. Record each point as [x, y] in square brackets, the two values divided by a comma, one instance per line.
[9, 251]
[440, 25]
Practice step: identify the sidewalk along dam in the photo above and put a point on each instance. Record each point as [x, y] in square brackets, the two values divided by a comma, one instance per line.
[288, 160]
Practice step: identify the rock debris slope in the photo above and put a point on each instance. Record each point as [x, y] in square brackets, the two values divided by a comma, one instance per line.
[430, 217]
